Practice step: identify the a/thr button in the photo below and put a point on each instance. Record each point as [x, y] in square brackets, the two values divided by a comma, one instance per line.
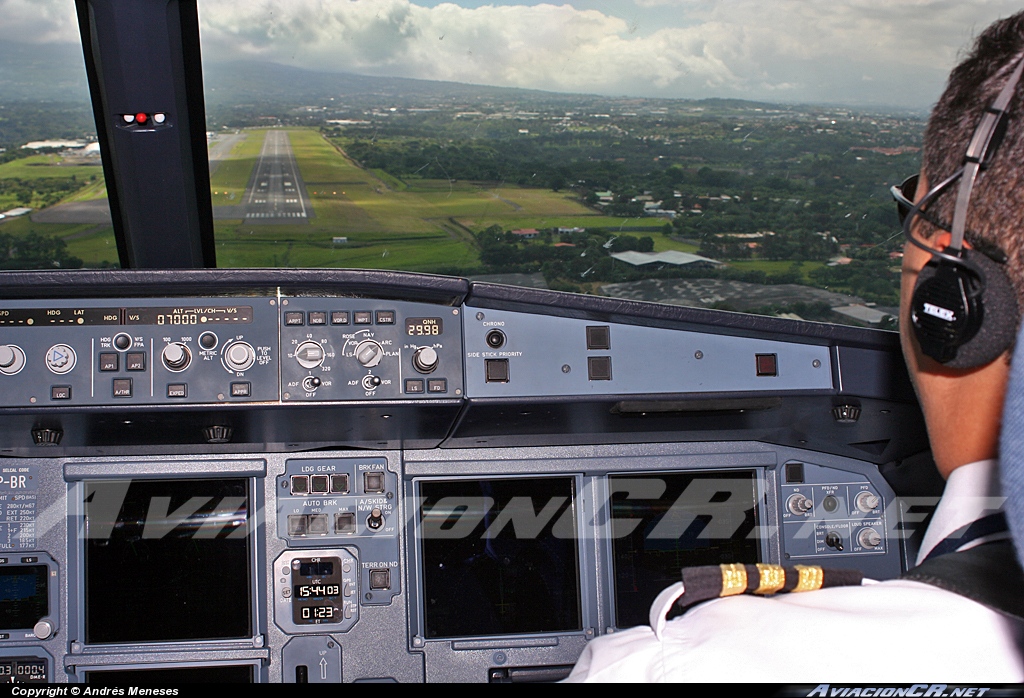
[122, 387]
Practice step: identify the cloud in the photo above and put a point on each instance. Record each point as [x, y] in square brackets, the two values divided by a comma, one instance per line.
[854, 51]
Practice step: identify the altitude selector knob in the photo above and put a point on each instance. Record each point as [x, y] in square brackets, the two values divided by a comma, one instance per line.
[239, 356]
[369, 353]
[176, 357]
[425, 359]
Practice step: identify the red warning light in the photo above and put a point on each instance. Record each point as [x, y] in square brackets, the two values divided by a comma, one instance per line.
[141, 117]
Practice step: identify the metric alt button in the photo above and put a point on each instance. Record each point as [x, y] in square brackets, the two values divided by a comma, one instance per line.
[208, 341]
[135, 361]
[122, 387]
[110, 361]
[60, 358]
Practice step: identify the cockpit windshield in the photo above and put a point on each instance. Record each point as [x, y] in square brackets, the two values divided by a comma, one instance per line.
[721, 155]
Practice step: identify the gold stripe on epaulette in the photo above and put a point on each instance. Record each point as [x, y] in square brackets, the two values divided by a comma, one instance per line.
[734, 579]
[811, 578]
[773, 578]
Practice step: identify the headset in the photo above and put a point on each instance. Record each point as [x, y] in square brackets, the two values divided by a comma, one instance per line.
[964, 309]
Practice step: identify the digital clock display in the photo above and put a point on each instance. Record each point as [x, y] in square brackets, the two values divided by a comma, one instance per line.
[316, 591]
[314, 613]
[423, 326]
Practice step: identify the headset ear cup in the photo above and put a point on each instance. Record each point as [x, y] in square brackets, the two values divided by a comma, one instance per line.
[964, 316]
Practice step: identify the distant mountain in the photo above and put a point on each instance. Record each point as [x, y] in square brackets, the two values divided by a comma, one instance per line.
[32, 72]
[256, 81]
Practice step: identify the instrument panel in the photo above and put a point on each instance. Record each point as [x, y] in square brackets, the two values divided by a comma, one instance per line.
[352, 482]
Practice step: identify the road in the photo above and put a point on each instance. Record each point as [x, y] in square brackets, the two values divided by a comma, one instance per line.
[276, 193]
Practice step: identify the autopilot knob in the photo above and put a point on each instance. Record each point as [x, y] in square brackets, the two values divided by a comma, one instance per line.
[239, 356]
[12, 359]
[369, 353]
[425, 359]
[176, 356]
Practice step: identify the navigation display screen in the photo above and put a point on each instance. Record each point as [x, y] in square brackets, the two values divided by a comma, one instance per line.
[167, 560]
[666, 521]
[499, 556]
[24, 596]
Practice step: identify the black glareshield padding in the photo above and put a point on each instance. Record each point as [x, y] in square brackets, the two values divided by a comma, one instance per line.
[964, 315]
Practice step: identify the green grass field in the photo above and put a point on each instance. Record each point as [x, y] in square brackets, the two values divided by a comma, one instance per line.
[228, 182]
[389, 223]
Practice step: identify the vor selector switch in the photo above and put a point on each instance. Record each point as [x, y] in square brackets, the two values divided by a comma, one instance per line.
[176, 357]
[425, 359]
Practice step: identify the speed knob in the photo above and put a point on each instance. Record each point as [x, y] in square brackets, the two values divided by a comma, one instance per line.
[309, 354]
[425, 359]
[176, 357]
[12, 359]
[369, 353]
[239, 356]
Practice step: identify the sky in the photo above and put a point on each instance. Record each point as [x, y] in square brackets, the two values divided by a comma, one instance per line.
[856, 52]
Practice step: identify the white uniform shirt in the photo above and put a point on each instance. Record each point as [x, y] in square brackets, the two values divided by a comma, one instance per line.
[880, 632]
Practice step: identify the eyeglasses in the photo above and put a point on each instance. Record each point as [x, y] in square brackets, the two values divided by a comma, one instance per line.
[904, 194]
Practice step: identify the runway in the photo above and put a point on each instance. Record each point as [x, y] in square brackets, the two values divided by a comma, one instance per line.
[276, 193]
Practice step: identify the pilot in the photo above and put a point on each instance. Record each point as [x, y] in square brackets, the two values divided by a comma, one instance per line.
[957, 616]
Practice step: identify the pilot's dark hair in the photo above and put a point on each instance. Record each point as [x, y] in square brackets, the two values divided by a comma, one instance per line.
[996, 213]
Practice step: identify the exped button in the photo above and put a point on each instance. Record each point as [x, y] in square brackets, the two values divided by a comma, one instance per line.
[177, 390]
